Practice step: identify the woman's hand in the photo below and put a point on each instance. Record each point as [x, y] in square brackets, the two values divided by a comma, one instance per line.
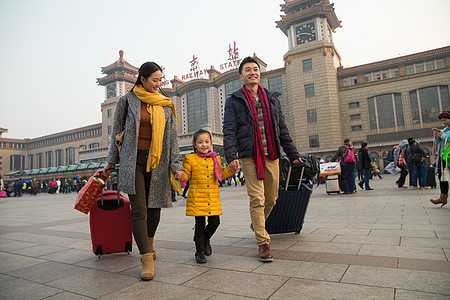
[107, 168]
[179, 175]
[437, 133]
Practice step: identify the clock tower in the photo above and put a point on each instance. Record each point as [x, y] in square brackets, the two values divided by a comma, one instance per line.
[312, 106]
[119, 78]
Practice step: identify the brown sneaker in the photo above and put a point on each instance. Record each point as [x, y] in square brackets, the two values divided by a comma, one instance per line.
[265, 254]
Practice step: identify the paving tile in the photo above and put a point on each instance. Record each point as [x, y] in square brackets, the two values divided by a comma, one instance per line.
[46, 271]
[69, 256]
[229, 262]
[403, 251]
[326, 247]
[291, 255]
[13, 246]
[370, 240]
[159, 290]
[422, 281]
[361, 260]
[312, 289]
[175, 256]
[314, 237]
[238, 283]
[412, 295]
[10, 262]
[67, 296]
[425, 242]
[93, 283]
[23, 289]
[424, 265]
[402, 233]
[171, 273]
[303, 269]
[39, 250]
[117, 262]
[343, 231]
[374, 226]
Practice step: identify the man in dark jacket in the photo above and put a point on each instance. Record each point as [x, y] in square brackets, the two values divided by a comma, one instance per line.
[366, 164]
[254, 130]
[347, 168]
[418, 160]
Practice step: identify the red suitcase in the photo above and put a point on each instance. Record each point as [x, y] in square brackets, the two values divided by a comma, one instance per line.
[110, 223]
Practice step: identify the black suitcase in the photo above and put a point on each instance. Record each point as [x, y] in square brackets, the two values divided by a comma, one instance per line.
[431, 177]
[289, 211]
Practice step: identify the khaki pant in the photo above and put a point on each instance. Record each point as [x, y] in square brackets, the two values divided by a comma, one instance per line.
[263, 195]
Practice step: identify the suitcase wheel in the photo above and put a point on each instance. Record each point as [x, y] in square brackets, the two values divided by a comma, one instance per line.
[128, 247]
[98, 251]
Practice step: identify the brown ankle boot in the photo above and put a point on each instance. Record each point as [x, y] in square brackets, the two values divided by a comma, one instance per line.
[148, 268]
[150, 247]
[442, 199]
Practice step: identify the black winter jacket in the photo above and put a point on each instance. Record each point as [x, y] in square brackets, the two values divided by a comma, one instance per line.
[238, 129]
[364, 159]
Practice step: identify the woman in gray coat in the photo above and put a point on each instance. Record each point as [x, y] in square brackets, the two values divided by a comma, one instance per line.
[148, 157]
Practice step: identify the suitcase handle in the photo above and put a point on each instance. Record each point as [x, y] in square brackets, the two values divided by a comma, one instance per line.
[289, 177]
[119, 203]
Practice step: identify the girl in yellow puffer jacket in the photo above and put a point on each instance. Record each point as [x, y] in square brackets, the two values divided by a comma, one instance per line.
[204, 169]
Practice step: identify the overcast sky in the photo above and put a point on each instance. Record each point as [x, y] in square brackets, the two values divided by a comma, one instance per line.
[53, 50]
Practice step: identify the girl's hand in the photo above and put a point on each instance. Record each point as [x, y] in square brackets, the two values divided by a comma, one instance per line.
[437, 132]
[179, 175]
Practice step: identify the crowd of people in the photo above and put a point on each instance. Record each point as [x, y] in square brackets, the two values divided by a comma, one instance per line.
[20, 187]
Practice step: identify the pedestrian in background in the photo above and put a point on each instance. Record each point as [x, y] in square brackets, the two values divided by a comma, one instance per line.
[366, 165]
[400, 162]
[348, 167]
[441, 139]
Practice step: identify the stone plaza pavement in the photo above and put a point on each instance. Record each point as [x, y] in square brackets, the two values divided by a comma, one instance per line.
[383, 244]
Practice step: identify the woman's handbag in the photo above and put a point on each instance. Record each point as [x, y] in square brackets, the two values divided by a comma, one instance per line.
[89, 194]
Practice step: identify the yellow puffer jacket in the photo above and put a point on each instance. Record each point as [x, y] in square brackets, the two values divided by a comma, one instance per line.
[203, 198]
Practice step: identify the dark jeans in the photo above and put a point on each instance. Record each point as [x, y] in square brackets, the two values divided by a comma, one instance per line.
[401, 181]
[201, 229]
[420, 169]
[365, 179]
[348, 177]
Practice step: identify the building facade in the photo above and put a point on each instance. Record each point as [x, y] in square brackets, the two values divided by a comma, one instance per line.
[381, 103]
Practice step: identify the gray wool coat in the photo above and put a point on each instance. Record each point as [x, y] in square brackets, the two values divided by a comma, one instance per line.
[128, 116]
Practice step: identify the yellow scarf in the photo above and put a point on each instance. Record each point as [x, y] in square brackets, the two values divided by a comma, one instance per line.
[155, 103]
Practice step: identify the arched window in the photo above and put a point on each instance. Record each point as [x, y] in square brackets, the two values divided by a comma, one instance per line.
[385, 111]
[427, 102]
[232, 86]
[197, 109]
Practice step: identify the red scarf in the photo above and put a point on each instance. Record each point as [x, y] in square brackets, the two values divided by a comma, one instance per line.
[258, 149]
[213, 155]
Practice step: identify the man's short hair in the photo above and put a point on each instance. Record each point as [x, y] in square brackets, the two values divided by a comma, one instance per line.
[346, 141]
[364, 144]
[247, 60]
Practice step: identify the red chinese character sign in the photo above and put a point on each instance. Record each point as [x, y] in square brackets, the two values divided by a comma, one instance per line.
[164, 81]
[195, 71]
[233, 58]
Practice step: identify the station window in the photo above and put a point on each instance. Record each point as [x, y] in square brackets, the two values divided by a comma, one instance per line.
[353, 105]
[307, 65]
[309, 90]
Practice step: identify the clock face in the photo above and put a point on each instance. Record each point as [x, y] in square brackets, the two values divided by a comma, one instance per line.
[305, 33]
[111, 91]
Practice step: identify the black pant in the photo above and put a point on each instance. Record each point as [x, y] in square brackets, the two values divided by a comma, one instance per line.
[206, 231]
[443, 185]
[411, 167]
[403, 173]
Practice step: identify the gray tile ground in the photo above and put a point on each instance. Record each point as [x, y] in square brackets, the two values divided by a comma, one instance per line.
[383, 244]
